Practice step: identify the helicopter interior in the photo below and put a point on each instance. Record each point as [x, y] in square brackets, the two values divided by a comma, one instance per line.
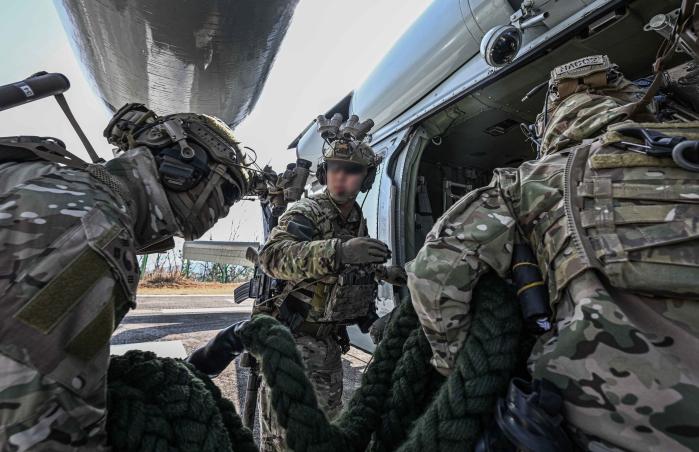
[456, 149]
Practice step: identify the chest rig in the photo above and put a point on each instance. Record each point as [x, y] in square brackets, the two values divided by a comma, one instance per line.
[628, 215]
[353, 294]
[349, 296]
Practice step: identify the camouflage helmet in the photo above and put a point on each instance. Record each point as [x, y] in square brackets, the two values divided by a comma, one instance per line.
[201, 166]
[584, 97]
[345, 143]
[353, 152]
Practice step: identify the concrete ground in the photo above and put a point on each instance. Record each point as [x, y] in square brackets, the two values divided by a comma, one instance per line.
[195, 319]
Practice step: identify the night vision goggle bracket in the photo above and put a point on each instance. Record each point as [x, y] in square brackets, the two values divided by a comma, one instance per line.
[175, 131]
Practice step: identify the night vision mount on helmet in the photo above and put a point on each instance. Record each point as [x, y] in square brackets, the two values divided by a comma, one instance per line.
[347, 142]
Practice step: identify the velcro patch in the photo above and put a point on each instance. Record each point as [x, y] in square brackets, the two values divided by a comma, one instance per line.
[46, 309]
[301, 228]
[581, 67]
[95, 335]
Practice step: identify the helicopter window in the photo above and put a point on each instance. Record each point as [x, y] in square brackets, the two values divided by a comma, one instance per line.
[370, 203]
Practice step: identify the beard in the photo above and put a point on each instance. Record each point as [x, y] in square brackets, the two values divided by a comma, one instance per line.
[342, 198]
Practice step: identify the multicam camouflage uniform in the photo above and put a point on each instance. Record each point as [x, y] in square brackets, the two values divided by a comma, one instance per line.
[308, 260]
[68, 276]
[617, 240]
[68, 273]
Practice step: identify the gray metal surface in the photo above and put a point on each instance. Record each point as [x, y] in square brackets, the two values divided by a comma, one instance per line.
[204, 56]
[232, 253]
[437, 44]
[395, 109]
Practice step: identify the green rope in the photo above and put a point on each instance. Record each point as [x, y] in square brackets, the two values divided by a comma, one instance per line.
[402, 403]
[164, 404]
[455, 419]
[463, 408]
[413, 385]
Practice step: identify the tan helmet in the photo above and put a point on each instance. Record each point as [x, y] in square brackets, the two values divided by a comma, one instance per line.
[584, 96]
[345, 143]
[200, 164]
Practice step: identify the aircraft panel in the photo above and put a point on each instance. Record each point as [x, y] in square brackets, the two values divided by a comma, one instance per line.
[204, 56]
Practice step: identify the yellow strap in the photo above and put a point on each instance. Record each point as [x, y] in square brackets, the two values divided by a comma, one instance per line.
[529, 286]
[519, 264]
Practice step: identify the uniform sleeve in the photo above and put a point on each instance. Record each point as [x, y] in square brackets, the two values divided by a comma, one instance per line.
[291, 253]
[475, 235]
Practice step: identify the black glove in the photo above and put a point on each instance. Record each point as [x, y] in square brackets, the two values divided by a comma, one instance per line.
[363, 250]
[378, 328]
[392, 274]
[215, 356]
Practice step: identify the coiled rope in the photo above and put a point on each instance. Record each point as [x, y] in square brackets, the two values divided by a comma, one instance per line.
[402, 403]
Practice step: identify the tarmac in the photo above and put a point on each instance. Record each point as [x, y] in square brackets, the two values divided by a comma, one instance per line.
[174, 325]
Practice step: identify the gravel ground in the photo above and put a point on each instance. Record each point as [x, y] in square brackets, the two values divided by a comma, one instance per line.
[194, 320]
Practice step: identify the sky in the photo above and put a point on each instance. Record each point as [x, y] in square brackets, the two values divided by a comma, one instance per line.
[304, 81]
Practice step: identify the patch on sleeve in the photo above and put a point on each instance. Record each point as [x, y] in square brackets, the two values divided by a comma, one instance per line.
[53, 302]
[301, 228]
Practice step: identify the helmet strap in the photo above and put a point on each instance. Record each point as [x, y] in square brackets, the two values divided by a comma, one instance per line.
[217, 173]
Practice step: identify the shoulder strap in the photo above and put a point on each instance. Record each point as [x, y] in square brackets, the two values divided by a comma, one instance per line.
[26, 148]
[73, 122]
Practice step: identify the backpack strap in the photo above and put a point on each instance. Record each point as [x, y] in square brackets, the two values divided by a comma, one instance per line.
[28, 148]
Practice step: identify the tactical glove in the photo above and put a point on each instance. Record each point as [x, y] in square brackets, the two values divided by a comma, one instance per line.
[378, 328]
[363, 250]
[215, 356]
[392, 274]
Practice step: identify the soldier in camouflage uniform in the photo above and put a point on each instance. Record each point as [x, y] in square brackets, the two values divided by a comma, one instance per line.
[69, 237]
[616, 238]
[317, 247]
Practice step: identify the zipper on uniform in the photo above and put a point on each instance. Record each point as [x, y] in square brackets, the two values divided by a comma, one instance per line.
[569, 212]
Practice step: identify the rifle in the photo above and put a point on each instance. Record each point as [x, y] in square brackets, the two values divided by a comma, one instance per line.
[274, 196]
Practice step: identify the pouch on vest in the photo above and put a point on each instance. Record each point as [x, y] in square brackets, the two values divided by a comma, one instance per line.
[351, 298]
[639, 213]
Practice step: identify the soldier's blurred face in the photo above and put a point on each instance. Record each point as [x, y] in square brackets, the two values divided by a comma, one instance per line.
[345, 178]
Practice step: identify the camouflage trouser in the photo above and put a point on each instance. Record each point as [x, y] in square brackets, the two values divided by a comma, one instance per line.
[323, 361]
[627, 368]
[36, 413]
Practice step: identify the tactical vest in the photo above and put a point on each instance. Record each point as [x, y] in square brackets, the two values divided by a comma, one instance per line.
[630, 216]
[349, 296]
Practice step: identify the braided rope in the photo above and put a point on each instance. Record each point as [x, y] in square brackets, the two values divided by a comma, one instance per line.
[464, 405]
[454, 420]
[164, 404]
[402, 404]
